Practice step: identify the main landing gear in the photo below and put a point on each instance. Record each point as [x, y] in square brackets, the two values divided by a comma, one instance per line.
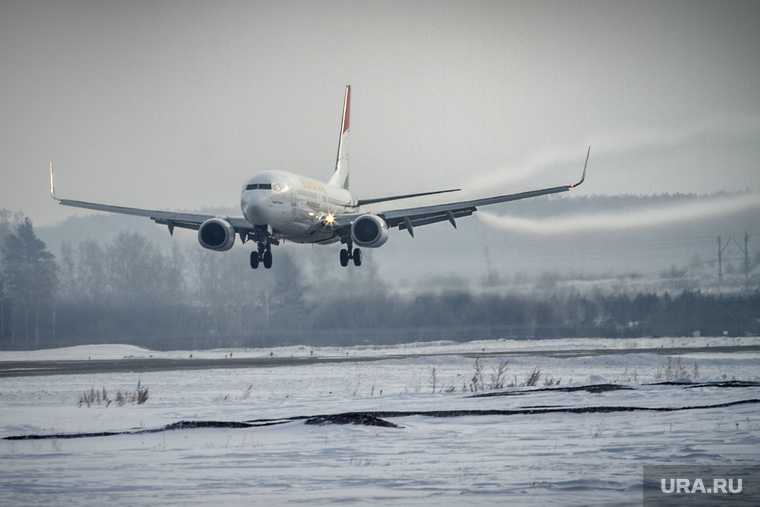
[349, 253]
[264, 239]
[263, 255]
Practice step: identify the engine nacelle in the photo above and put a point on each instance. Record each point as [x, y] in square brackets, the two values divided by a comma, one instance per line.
[216, 234]
[369, 231]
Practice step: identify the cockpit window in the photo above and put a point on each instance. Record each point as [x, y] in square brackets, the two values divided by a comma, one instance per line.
[259, 186]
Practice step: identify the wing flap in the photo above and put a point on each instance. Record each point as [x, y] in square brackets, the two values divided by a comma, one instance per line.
[427, 218]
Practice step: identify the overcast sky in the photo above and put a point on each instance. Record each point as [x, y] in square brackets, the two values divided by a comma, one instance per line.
[172, 105]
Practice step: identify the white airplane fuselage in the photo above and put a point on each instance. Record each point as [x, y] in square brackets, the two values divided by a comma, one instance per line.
[297, 208]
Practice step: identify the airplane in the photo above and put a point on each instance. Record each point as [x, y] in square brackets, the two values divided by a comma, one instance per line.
[282, 206]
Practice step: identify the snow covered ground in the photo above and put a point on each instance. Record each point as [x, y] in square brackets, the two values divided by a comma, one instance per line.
[558, 444]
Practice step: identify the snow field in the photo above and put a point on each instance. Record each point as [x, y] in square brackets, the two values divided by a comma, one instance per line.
[546, 458]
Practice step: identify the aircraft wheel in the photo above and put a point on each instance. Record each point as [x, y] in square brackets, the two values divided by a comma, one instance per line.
[357, 257]
[344, 257]
[267, 259]
[255, 260]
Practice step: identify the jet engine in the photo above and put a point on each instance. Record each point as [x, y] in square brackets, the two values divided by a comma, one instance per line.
[369, 231]
[216, 234]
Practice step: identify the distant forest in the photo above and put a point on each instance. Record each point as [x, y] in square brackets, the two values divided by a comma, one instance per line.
[130, 291]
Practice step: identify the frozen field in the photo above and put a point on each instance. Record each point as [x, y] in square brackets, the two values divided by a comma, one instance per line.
[567, 443]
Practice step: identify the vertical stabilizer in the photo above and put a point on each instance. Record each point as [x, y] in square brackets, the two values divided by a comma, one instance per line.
[340, 177]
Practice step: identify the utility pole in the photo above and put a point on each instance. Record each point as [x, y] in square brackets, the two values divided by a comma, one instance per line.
[746, 256]
[744, 250]
[489, 267]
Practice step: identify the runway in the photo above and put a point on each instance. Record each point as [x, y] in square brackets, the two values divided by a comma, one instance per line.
[139, 365]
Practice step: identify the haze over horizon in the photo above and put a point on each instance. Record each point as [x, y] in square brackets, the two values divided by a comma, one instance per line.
[173, 105]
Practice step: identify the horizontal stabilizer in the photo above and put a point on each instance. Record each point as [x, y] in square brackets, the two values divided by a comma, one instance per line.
[362, 202]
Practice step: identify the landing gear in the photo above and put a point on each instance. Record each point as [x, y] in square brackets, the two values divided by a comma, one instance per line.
[264, 238]
[349, 253]
[267, 259]
[264, 254]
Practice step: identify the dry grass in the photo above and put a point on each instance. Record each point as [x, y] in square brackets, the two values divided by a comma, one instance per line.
[101, 397]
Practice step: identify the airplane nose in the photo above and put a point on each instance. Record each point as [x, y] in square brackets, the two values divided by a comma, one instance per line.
[256, 207]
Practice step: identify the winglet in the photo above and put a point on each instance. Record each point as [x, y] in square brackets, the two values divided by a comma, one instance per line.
[52, 184]
[583, 177]
[340, 176]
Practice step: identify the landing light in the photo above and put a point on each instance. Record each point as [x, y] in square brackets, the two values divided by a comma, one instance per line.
[330, 218]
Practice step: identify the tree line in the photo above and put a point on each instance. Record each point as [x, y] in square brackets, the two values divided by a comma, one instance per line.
[130, 291]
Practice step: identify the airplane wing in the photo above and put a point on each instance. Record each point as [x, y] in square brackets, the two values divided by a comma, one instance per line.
[410, 218]
[171, 219]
